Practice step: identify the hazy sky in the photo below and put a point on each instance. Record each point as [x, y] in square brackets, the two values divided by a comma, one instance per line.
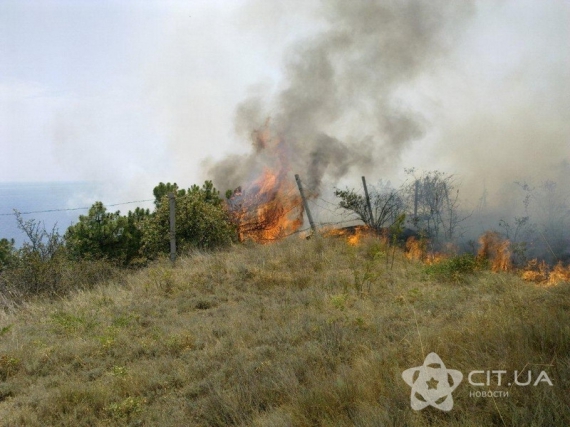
[135, 92]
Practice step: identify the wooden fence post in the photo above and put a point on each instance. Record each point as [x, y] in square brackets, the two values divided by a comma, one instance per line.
[368, 202]
[305, 204]
[172, 205]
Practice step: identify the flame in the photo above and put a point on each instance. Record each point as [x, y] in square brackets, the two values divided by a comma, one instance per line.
[539, 272]
[435, 258]
[559, 274]
[354, 239]
[416, 249]
[268, 208]
[353, 234]
[496, 250]
[535, 271]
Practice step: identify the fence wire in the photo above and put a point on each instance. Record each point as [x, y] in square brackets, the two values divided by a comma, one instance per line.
[319, 206]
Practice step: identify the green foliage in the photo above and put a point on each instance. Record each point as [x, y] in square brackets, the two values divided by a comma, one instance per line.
[162, 190]
[352, 201]
[32, 274]
[133, 236]
[454, 269]
[126, 409]
[6, 253]
[49, 263]
[397, 227]
[106, 235]
[97, 234]
[208, 193]
[201, 222]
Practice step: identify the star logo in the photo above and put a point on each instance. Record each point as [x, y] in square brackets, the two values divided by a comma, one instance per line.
[432, 384]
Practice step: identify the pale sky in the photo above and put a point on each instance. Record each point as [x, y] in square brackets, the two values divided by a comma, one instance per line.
[94, 90]
[130, 93]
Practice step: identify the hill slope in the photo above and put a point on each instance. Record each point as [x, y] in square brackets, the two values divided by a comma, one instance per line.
[303, 333]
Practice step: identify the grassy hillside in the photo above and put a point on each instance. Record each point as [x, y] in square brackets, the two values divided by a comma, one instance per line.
[299, 333]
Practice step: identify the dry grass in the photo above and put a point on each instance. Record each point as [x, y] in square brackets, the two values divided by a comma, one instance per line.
[299, 333]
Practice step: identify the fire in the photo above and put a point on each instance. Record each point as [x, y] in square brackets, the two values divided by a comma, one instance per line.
[353, 234]
[355, 238]
[539, 272]
[268, 208]
[559, 274]
[435, 258]
[416, 249]
[496, 250]
[536, 271]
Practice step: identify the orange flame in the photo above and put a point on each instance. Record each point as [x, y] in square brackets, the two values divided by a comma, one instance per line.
[535, 271]
[354, 239]
[496, 250]
[416, 249]
[353, 234]
[269, 208]
[539, 272]
[435, 258]
[559, 274]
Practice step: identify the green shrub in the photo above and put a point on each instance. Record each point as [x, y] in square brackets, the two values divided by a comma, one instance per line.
[33, 274]
[107, 235]
[37, 266]
[201, 222]
[43, 266]
[6, 253]
[453, 269]
[57, 276]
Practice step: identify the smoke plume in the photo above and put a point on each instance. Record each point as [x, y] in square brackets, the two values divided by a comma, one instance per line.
[339, 106]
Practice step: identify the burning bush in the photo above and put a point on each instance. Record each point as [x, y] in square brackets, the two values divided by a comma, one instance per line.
[264, 211]
[269, 207]
[495, 250]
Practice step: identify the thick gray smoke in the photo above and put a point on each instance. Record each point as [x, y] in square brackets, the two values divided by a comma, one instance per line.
[476, 90]
[339, 107]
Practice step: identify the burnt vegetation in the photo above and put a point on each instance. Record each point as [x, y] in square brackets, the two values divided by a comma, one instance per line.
[535, 230]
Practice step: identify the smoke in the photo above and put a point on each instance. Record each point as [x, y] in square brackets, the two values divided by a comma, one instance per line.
[472, 88]
[339, 107]
[479, 90]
